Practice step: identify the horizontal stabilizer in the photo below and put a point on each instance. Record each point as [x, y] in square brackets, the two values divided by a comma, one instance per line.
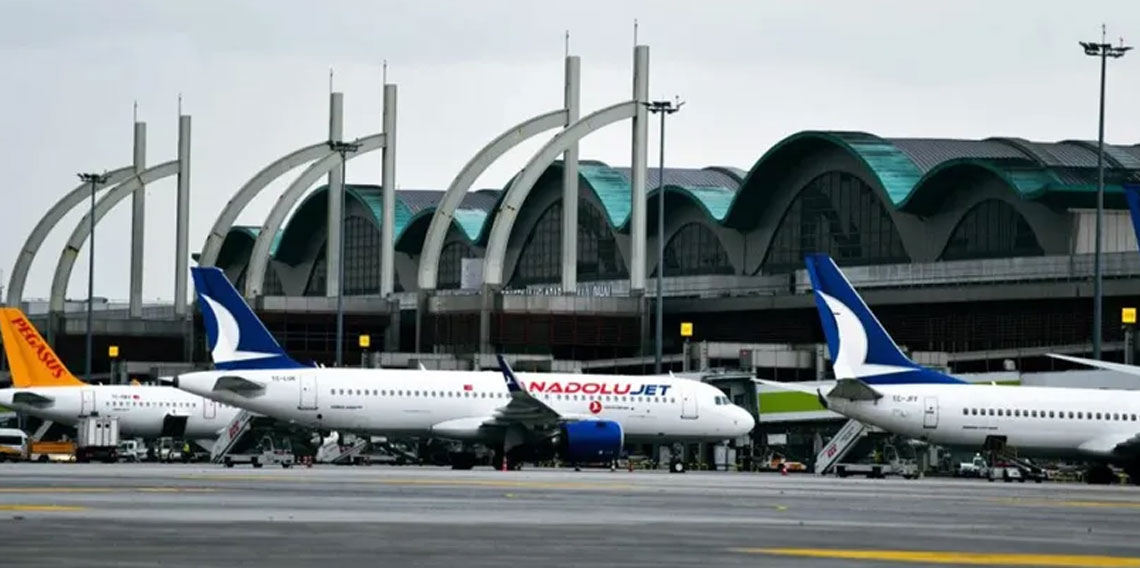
[1118, 367]
[238, 385]
[31, 399]
[797, 387]
[854, 389]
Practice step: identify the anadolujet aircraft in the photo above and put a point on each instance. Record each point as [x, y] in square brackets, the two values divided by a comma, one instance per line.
[43, 387]
[878, 385]
[583, 418]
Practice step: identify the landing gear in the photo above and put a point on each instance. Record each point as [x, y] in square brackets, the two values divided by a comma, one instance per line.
[1100, 474]
[462, 460]
[1133, 471]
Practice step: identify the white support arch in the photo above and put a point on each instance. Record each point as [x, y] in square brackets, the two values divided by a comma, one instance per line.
[445, 211]
[524, 182]
[48, 222]
[259, 256]
[248, 192]
[79, 234]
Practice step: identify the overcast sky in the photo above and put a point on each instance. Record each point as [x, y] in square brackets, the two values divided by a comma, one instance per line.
[254, 76]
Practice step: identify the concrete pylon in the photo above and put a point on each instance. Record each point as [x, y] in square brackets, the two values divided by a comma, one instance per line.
[138, 224]
[570, 181]
[182, 225]
[639, 171]
[388, 181]
[333, 254]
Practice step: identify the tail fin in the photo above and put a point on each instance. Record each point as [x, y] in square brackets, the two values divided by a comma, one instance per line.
[237, 338]
[32, 361]
[1132, 194]
[860, 348]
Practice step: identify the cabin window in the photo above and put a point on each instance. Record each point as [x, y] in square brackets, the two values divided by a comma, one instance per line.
[991, 412]
[1034, 414]
[965, 411]
[1133, 417]
[1050, 414]
[1115, 416]
[1098, 416]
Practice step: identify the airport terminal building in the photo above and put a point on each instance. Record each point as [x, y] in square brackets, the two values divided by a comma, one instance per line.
[974, 248]
[976, 255]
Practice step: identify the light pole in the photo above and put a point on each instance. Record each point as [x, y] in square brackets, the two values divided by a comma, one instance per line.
[663, 108]
[95, 180]
[1103, 50]
[342, 148]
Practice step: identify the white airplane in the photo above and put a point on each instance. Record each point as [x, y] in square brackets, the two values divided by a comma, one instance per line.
[46, 389]
[584, 418]
[878, 385]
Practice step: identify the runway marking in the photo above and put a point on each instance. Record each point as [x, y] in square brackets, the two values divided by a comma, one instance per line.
[959, 558]
[40, 508]
[1069, 503]
[25, 490]
[458, 482]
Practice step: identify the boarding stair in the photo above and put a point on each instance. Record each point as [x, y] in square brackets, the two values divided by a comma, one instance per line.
[352, 452]
[231, 434]
[840, 445]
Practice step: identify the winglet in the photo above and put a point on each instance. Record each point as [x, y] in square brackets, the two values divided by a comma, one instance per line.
[31, 359]
[513, 384]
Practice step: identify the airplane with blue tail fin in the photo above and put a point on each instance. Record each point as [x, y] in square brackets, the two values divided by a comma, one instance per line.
[878, 385]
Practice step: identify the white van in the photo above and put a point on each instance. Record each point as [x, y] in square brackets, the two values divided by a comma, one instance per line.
[13, 444]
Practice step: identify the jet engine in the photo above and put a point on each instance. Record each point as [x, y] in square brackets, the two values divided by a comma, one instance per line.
[591, 441]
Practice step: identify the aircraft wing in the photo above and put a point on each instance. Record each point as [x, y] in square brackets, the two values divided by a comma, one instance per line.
[238, 385]
[31, 399]
[523, 407]
[1106, 365]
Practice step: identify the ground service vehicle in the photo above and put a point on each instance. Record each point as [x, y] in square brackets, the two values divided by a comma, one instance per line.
[98, 438]
[13, 444]
[267, 451]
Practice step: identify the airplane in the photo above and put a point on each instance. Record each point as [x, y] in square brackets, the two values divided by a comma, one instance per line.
[878, 385]
[582, 418]
[43, 387]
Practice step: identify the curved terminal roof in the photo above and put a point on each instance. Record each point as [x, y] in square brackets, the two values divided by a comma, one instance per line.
[910, 171]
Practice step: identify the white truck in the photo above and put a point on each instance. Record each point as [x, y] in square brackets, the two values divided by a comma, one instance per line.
[976, 467]
[266, 452]
[98, 439]
[890, 463]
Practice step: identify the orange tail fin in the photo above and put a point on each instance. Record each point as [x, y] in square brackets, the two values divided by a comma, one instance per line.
[31, 360]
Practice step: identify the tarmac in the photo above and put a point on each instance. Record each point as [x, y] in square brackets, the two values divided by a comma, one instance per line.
[195, 515]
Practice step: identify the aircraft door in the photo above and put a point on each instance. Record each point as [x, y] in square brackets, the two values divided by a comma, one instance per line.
[209, 408]
[930, 412]
[688, 406]
[86, 402]
[308, 393]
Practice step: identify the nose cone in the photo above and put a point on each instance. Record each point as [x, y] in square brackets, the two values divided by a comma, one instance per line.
[742, 421]
[6, 396]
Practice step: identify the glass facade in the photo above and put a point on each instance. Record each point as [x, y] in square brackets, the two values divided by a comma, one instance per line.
[362, 257]
[695, 249]
[272, 286]
[598, 256]
[451, 265]
[836, 213]
[992, 229]
[317, 281]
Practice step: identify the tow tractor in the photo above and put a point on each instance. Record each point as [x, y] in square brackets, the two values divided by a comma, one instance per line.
[268, 451]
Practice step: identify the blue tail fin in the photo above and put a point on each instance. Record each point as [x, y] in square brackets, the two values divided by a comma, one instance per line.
[860, 348]
[1132, 194]
[237, 338]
